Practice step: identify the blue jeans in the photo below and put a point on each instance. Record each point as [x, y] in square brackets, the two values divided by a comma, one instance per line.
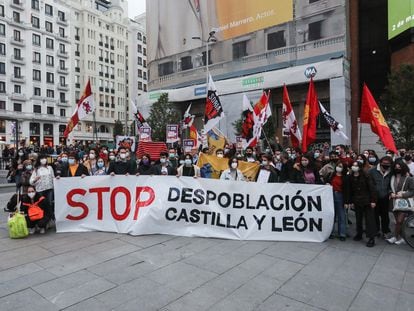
[340, 213]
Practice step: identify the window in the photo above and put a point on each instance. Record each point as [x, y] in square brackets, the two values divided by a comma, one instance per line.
[62, 64]
[17, 107]
[17, 54]
[35, 22]
[312, 1]
[186, 63]
[49, 10]
[315, 31]
[49, 43]
[50, 93]
[63, 112]
[139, 85]
[3, 105]
[61, 32]
[35, 5]
[50, 77]
[2, 49]
[17, 89]
[36, 39]
[17, 72]
[144, 63]
[165, 69]
[36, 75]
[139, 48]
[2, 68]
[139, 36]
[2, 87]
[2, 30]
[62, 48]
[16, 35]
[49, 60]
[49, 26]
[37, 91]
[62, 80]
[62, 97]
[37, 109]
[144, 52]
[16, 17]
[276, 40]
[2, 10]
[239, 49]
[61, 16]
[50, 110]
[139, 61]
[139, 73]
[36, 57]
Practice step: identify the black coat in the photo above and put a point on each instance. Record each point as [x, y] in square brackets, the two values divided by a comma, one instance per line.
[359, 190]
[81, 170]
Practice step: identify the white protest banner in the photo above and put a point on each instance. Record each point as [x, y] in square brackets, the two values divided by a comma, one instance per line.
[194, 207]
[172, 133]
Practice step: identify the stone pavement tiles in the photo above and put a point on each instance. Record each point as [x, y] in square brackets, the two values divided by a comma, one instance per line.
[106, 271]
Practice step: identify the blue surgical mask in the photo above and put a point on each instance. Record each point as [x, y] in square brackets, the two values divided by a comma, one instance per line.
[100, 164]
[29, 167]
[71, 161]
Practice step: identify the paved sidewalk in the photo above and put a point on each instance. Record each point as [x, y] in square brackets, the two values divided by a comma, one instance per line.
[106, 271]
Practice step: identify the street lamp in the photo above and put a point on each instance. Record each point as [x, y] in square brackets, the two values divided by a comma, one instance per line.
[211, 39]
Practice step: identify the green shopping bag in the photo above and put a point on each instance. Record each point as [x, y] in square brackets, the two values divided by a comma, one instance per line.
[17, 223]
[17, 226]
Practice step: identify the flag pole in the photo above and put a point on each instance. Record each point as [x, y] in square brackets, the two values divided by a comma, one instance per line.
[360, 135]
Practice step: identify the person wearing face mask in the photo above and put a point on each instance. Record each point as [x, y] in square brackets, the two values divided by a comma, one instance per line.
[408, 159]
[123, 166]
[101, 168]
[188, 168]
[360, 193]
[318, 159]
[111, 157]
[42, 178]
[381, 175]
[232, 173]
[305, 171]
[337, 181]
[328, 170]
[248, 155]
[90, 162]
[145, 167]
[267, 172]
[220, 153]
[74, 168]
[164, 168]
[401, 186]
[372, 158]
[26, 175]
[172, 157]
[31, 199]
[286, 169]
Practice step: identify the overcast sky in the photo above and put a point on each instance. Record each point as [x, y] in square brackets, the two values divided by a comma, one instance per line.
[136, 7]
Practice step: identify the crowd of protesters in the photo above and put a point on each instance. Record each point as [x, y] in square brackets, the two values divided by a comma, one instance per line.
[363, 183]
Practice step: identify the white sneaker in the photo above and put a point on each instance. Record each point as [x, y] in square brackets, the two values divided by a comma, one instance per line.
[32, 230]
[400, 241]
[392, 240]
[42, 231]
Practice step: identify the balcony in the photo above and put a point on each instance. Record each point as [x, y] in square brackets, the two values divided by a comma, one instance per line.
[64, 71]
[63, 22]
[17, 5]
[18, 60]
[63, 87]
[63, 54]
[16, 41]
[18, 96]
[62, 103]
[18, 79]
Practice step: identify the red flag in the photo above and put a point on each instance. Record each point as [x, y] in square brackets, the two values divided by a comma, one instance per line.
[194, 135]
[309, 118]
[290, 124]
[370, 113]
[153, 148]
[84, 107]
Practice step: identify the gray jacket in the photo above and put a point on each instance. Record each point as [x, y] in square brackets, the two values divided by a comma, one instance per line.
[381, 181]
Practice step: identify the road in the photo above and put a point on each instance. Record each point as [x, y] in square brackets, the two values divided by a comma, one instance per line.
[106, 271]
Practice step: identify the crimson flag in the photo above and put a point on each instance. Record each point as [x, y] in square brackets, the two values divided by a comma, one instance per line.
[310, 117]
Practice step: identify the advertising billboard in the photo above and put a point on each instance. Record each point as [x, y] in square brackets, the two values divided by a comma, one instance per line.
[172, 25]
[400, 16]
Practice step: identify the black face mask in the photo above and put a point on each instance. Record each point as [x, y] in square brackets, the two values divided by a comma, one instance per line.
[407, 158]
[249, 154]
[386, 167]
[397, 171]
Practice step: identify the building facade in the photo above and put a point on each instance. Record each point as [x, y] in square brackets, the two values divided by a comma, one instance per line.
[35, 70]
[251, 52]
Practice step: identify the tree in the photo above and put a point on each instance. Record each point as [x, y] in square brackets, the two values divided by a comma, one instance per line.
[398, 102]
[162, 113]
[118, 128]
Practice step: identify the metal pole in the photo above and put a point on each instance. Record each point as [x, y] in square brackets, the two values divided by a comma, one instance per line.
[207, 43]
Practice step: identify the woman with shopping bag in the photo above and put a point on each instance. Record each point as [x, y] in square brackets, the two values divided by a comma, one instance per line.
[37, 210]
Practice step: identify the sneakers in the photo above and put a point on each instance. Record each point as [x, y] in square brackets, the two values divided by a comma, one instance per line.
[42, 231]
[392, 240]
[32, 231]
[400, 241]
[371, 242]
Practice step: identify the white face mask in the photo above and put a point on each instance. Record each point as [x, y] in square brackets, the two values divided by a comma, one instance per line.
[187, 162]
[163, 161]
[31, 194]
[122, 155]
[220, 155]
[339, 169]
[43, 161]
[355, 168]
[21, 154]
[111, 157]
[234, 165]
[92, 156]
[265, 163]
